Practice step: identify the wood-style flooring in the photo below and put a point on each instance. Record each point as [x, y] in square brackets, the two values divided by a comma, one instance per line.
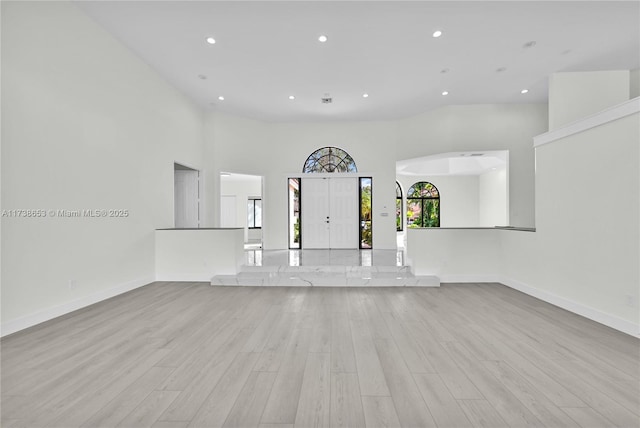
[191, 355]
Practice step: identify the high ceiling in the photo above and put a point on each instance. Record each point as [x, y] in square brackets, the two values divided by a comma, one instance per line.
[456, 163]
[267, 51]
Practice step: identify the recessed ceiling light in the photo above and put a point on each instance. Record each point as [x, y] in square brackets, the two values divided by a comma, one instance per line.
[292, 97]
[437, 33]
[524, 91]
[365, 95]
[202, 77]
[221, 98]
[322, 38]
[501, 69]
[444, 71]
[530, 44]
[211, 40]
[445, 92]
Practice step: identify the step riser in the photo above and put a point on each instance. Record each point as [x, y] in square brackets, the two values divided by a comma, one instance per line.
[283, 281]
[353, 270]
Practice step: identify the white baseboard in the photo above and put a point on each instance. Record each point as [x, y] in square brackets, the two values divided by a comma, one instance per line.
[575, 307]
[571, 306]
[470, 278]
[184, 277]
[21, 323]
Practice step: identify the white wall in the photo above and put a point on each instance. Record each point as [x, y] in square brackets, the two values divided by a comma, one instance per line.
[482, 127]
[198, 255]
[455, 255]
[493, 203]
[458, 198]
[573, 96]
[86, 124]
[588, 221]
[584, 254]
[279, 150]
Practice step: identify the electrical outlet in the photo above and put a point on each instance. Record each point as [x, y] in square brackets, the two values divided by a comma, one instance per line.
[629, 301]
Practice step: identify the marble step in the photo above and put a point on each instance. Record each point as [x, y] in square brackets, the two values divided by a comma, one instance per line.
[326, 269]
[325, 279]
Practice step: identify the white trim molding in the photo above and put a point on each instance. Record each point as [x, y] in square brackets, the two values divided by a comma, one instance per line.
[612, 321]
[605, 116]
[462, 278]
[22, 323]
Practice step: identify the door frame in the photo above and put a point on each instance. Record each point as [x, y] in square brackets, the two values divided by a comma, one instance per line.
[180, 166]
[356, 175]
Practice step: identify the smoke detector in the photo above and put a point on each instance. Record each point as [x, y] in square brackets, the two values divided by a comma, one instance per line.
[326, 100]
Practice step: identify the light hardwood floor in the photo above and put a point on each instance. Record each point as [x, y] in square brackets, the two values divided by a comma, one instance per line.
[191, 355]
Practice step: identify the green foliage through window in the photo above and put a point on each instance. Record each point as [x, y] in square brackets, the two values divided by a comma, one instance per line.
[423, 205]
[294, 213]
[366, 231]
[399, 222]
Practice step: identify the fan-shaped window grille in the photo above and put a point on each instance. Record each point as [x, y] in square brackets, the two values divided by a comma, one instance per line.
[329, 159]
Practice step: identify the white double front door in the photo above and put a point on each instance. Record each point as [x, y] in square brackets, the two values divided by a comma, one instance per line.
[330, 212]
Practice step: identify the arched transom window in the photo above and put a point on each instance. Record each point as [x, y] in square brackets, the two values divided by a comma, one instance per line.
[329, 159]
[423, 205]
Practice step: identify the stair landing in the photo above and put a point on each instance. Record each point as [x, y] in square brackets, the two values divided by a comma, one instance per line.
[325, 268]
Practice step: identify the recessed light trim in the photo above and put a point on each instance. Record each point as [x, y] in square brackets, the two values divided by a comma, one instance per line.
[365, 95]
[437, 33]
[292, 97]
[221, 98]
[445, 92]
[501, 70]
[211, 40]
[322, 38]
[524, 91]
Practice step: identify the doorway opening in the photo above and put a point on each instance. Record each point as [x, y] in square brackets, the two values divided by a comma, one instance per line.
[330, 212]
[241, 206]
[455, 189]
[186, 197]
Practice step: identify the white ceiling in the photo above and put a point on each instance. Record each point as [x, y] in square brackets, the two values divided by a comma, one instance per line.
[455, 163]
[266, 51]
[229, 177]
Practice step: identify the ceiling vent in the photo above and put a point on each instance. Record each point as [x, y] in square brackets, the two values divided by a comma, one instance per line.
[476, 154]
[326, 100]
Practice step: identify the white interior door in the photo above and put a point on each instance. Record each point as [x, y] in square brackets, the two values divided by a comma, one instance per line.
[315, 213]
[344, 212]
[186, 201]
[330, 212]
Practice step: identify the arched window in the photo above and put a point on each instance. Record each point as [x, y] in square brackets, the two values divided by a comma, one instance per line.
[423, 205]
[399, 222]
[329, 159]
